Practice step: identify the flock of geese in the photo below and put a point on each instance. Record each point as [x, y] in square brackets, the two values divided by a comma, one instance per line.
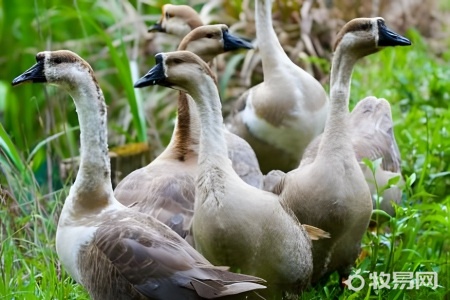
[168, 228]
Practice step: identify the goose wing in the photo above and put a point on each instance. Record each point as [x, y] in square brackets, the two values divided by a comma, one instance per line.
[167, 196]
[272, 181]
[372, 133]
[244, 160]
[158, 264]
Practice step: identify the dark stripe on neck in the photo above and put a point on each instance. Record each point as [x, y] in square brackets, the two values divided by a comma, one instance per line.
[183, 129]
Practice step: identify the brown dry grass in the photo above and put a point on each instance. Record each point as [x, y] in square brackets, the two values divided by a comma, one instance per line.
[306, 28]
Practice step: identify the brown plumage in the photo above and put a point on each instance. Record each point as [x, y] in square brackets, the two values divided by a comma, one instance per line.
[147, 263]
[113, 251]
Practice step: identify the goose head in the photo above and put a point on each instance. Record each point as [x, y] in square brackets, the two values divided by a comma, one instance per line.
[211, 40]
[178, 70]
[61, 68]
[177, 19]
[364, 36]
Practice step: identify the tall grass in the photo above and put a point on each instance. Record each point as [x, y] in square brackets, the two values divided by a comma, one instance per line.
[38, 126]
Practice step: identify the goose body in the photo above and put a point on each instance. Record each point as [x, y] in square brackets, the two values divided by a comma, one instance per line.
[282, 115]
[234, 223]
[113, 251]
[330, 191]
[165, 188]
[372, 137]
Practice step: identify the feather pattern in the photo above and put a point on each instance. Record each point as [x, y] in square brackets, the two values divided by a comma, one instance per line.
[148, 263]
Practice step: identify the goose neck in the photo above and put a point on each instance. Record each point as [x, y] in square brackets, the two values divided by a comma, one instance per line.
[341, 73]
[185, 138]
[336, 133]
[213, 145]
[95, 169]
[269, 47]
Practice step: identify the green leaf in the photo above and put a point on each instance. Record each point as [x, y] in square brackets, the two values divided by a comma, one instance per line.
[393, 181]
[10, 150]
[48, 140]
[411, 179]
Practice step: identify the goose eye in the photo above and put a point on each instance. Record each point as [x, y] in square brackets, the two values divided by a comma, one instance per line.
[209, 35]
[57, 60]
[366, 26]
[39, 57]
[168, 16]
[177, 61]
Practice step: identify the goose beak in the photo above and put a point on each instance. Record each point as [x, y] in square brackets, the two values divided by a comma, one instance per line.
[155, 76]
[35, 74]
[231, 42]
[387, 37]
[156, 27]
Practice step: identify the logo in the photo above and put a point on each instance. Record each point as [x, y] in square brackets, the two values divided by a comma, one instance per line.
[398, 280]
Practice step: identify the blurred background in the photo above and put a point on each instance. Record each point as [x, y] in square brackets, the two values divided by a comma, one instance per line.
[39, 129]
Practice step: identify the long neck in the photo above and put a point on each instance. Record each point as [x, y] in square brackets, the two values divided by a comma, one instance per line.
[269, 47]
[336, 136]
[94, 174]
[213, 146]
[185, 138]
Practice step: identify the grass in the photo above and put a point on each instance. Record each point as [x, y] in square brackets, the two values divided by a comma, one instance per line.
[38, 127]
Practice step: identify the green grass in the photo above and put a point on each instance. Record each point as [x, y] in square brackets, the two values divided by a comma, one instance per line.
[39, 126]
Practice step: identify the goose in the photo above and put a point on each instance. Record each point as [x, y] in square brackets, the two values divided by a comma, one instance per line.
[165, 188]
[207, 45]
[372, 137]
[282, 115]
[113, 251]
[207, 42]
[330, 191]
[234, 223]
[178, 20]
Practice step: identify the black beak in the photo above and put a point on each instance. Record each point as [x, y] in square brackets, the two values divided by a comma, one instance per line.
[155, 76]
[388, 37]
[156, 27]
[34, 74]
[232, 42]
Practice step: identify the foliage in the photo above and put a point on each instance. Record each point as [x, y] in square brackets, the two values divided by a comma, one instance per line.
[39, 126]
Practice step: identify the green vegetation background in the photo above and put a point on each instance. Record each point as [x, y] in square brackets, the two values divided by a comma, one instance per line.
[39, 127]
